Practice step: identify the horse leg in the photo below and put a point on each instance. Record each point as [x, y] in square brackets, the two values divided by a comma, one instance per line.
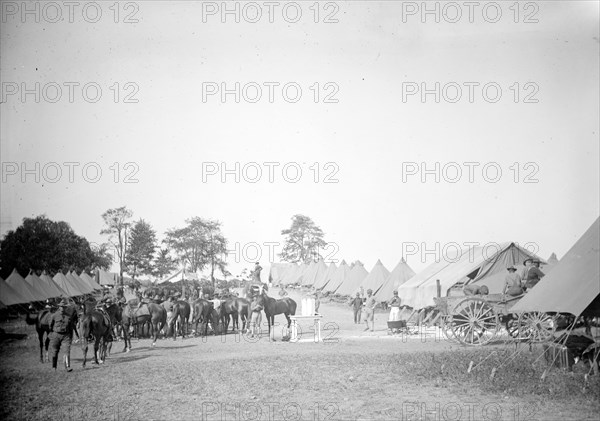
[46, 345]
[84, 347]
[96, 346]
[41, 339]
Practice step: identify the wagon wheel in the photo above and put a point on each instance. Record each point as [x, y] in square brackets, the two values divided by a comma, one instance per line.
[536, 326]
[474, 322]
[446, 326]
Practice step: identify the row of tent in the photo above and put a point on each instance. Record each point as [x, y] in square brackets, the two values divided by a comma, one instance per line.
[571, 285]
[343, 279]
[18, 290]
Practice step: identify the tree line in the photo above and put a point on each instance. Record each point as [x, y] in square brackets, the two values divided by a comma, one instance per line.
[42, 244]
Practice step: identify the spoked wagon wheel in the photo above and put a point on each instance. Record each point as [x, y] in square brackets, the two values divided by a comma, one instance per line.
[474, 322]
[536, 326]
[447, 328]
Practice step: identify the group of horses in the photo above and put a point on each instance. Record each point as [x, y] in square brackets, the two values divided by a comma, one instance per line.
[100, 324]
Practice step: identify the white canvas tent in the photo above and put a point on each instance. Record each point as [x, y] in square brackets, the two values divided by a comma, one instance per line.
[573, 286]
[312, 275]
[475, 265]
[338, 278]
[323, 280]
[376, 278]
[16, 282]
[352, 283]
[399, 275]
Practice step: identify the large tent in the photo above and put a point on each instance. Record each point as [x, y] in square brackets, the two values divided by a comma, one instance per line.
[106, 278]
[77, 281]
[573, 286]
[399, 275]
[338, 278]
[67, 285]
[278, 271]
[44, 277]
[49, 290]
[474, 265]
[376, 278]
[326, 277]
[9, 296]
[16, 282]
[294, 276]
[88, 280]
[352, 283]
[313, 274]
[306, 272]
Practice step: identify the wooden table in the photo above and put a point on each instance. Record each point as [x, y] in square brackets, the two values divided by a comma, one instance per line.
[316, 319]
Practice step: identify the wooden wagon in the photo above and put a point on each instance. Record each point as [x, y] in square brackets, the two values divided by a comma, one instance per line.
[479, 319]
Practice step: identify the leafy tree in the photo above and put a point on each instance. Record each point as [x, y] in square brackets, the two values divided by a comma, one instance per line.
[199, 244]
[303, 240]
[117, 228]
[42, 244]
[164, 263]
[142, 244]
[103, 257]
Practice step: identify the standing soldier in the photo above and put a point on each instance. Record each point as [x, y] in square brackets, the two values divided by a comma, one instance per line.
[61, 332]
[256, 272]
[369, 309]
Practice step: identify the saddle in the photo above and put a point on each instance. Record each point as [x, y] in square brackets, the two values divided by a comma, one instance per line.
[137, 310]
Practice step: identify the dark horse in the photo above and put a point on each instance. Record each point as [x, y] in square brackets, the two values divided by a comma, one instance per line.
[204, 312]
[115, 312]
[273, 307]
[157, 316]
[41, 320]
[181, 315]
[236, 308]
[95, 325]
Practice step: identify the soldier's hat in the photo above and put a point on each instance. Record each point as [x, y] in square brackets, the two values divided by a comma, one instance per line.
[63, 303]
[511, 267]
[528, 260]
[395, 292]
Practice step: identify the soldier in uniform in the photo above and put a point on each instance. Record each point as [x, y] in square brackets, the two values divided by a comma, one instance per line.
[61, 332]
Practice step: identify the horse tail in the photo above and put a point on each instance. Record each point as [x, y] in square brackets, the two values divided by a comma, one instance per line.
[292, 307]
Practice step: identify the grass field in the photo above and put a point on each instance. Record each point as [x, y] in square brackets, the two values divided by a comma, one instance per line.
[359, 376]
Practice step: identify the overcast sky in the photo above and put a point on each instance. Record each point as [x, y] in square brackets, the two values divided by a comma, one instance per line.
[364, 132]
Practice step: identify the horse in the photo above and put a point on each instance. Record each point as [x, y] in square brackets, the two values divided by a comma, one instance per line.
[157, 317]
[181, 314]
[96, 325]
[236, 308]
[204, 311]
[273, 307]
[41, 320]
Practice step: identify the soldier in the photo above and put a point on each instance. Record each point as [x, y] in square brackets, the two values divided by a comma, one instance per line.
[256, 272]
[61, 332]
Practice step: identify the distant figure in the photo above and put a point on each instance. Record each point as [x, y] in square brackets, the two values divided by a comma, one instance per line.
[256, 273]
[356, 304]
[474, 289]
[256, 317]
[317, 302]
[394, 304]
[534, 275]
[369, 309]
[512, 284]
[282, 291]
